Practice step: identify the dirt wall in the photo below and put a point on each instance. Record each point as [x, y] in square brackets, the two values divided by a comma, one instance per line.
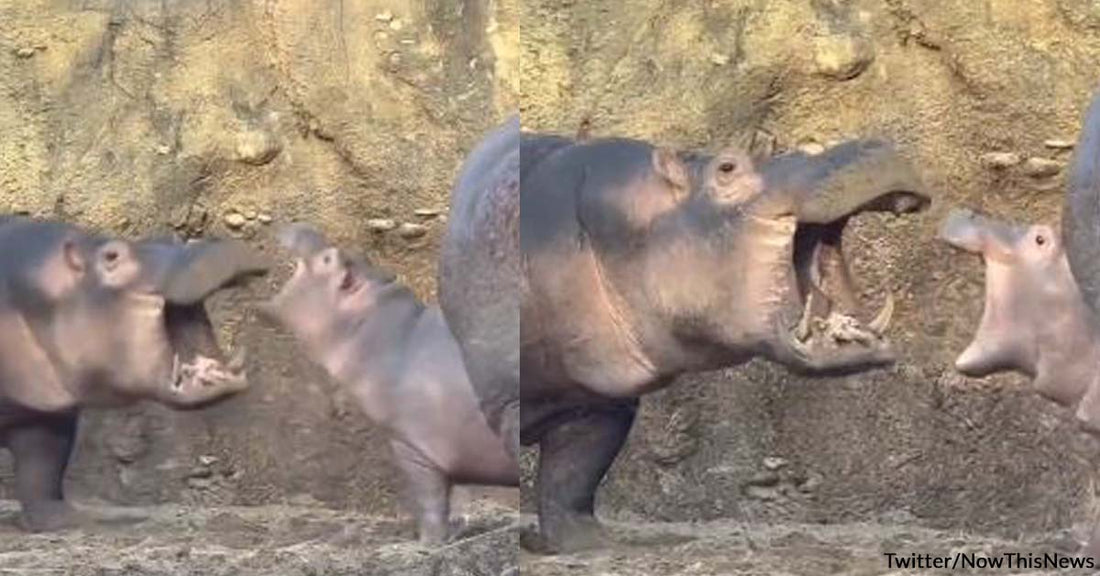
[951, 82]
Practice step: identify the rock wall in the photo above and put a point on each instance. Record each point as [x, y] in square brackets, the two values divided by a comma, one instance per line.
[983, 96]
[225, 117]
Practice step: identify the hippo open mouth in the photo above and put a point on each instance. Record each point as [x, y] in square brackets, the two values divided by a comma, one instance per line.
[834, 332]
[186, 275]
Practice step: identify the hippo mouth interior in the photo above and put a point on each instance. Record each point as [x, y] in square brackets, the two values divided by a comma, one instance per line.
[835, 332]
[197, 358]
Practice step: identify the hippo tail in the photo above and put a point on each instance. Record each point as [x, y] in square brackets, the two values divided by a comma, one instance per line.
[1081, 211]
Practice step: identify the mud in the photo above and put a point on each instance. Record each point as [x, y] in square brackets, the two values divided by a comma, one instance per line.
[284, 540]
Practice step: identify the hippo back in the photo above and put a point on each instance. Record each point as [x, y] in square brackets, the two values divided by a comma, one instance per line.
[479, 269]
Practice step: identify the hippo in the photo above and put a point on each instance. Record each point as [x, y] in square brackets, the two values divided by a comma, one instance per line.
[479, 276]
[642, 263]
[92, 321]
[399, 359]
[1042, 294]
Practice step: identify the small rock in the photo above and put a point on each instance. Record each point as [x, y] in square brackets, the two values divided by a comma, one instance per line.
[841, 56]
[1059, 144]
[381, 224]
[257, 147]
[774, 462]
[762, 493]
[396, 24]
[235, 220]
[769, 478]
[1000, 160]
[719, 59]
[264, 218]
[163, 149]
[410, 230]
[207, 460]
[25, 52]
[1041, 167]
[427, 212]
[811, 148]
[812, 482]
[250, 214]
[384, 16]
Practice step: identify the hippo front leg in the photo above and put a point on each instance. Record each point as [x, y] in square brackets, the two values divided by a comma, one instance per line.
[429, 492]
[574, 456]
[41, 451]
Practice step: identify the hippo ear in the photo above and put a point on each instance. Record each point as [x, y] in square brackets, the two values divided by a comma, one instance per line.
[667, 165]
[71, 256]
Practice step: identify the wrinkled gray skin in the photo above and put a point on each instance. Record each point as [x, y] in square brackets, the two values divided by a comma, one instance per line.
[479, 275]
[398, 358]
[92, 321]
[1041, 293]
[642, 263]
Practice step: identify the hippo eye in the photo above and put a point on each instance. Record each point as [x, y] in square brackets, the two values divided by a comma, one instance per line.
[727, 167]
[111, 256]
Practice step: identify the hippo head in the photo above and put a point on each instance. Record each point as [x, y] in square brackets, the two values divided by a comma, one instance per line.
[741, 258]
[127, 319]
[1042, 289]
[1030, 294]
[327, 293]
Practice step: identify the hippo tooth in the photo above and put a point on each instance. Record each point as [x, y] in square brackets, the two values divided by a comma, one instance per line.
[177, 380]
[802, 331]
[236, 363]
[882, 320]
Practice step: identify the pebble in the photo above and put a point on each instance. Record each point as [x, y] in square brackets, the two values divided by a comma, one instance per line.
[811, 148]
[1000, 160]
[235, 220]
[381, 224]
[385, 16]
[264, 218]
[25, 52]
[1041, 167]
[410, 230]
[257, 147]
[842, 56]
[774, 462]
[427, 212]
[719, 59]
[1059, 144]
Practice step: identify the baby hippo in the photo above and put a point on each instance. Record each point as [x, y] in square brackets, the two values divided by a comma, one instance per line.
[399, 359]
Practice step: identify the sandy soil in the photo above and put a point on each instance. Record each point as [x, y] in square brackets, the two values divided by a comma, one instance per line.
[246, 541]
[724, 548]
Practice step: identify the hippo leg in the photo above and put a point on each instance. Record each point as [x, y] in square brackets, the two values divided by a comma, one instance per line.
[573, 458]
[510, 428]
[430, 491]
[41, 453]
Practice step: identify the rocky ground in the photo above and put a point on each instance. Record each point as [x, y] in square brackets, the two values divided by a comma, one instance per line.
[261, 540]
[729, 548]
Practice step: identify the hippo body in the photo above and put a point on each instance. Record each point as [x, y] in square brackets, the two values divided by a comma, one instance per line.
[643, 263]
[480, 278]
[88, 321]
[399, 359]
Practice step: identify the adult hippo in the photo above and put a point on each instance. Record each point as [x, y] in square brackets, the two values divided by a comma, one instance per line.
[87, 320]
[479, 276]
[643, 263]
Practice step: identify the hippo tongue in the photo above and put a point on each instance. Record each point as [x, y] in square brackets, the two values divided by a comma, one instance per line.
[186, 274]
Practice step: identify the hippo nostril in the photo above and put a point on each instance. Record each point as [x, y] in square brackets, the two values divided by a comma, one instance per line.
[1040, 240]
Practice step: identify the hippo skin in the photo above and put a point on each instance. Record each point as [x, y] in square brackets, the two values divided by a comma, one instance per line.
[90, 321]
[1042, 293]
[479, 275]
[398, 358]
[642, 263]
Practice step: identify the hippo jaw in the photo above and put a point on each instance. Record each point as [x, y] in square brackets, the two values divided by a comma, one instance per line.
[198, 362]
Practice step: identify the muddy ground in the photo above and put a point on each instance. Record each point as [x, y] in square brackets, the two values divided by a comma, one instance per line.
[283, 540]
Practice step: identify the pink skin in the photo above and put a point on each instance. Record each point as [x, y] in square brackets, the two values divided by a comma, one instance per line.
[399, 359]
